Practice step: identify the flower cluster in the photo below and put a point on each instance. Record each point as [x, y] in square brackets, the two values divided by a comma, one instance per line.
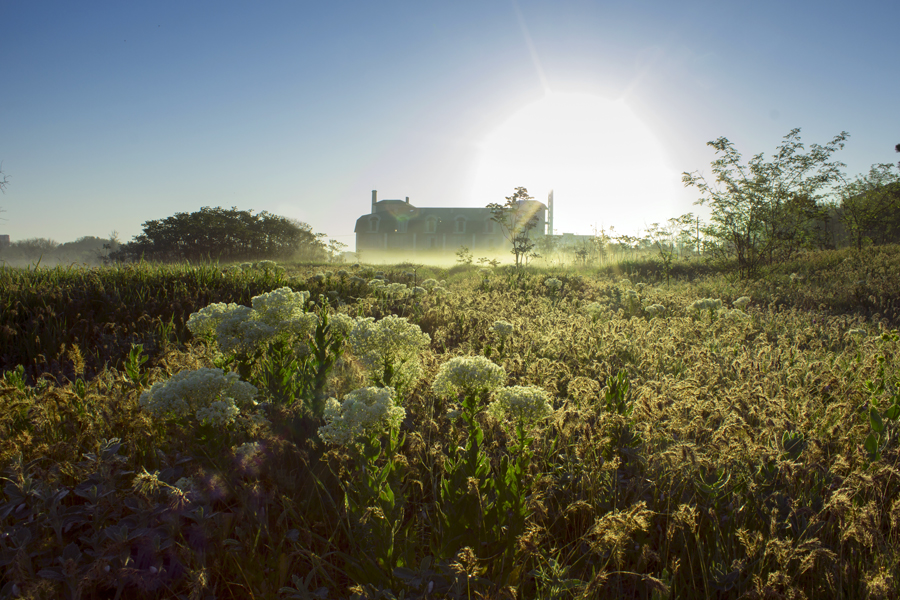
[595, 310]
[706, 304]
[741, 302]
[655, 310]
[285, 311]
[210, 396]
[553, 284]
[430, 284]
[503, 329]
[393, 343]
[341, 324]
[520, 404]
[239, 328]
[468, 376]
[363, 412]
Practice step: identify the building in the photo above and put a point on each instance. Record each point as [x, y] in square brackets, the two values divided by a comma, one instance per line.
[396, 226]
[4, 240]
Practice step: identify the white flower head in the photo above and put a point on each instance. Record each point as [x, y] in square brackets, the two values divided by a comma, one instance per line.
[553, 284]
[520, 404]
[210, 396]
[503, 329]
[741, 302]
[363, 412]
[467, 375]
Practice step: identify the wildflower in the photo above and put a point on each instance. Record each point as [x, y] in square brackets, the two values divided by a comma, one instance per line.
[205, 321]
[343, 274]
[520, 404]
[439, 291]
[266, 265]
[418, 291]
[553, 284]
[389, 347]
[469, 376]
[246, 266]
[367, 411]
[503, 329]
[317, 278]
[654, 310]
[210, 396]
[595, 310]
[341, 324]
[706, 304]
[741, 303]
[625, 282]
[285, 311]
[429, 284]
[858, 332]
[376, 284]
[240, 331]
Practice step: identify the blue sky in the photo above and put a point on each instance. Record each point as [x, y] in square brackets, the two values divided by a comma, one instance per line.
[112, 114]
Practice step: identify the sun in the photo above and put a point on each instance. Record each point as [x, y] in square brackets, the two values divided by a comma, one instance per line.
[604, 165]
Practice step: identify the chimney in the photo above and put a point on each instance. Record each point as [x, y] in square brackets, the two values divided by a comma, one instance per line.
[374, 200]
[407, 199]
[550, 213]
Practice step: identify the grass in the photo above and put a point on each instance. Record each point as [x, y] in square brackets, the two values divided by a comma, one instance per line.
[692, 454]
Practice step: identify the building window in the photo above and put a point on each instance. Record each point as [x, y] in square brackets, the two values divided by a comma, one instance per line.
[460, 225]
[430, 225]
[373, 224]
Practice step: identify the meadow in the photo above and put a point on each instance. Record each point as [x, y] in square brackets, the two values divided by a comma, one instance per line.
[335, 431]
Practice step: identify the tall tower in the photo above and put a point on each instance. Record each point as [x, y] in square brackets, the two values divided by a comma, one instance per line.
[550, 213]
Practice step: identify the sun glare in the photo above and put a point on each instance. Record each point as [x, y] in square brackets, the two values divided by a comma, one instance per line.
[603, 164]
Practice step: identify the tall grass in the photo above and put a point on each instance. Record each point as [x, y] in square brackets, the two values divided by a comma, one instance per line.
[691, 453]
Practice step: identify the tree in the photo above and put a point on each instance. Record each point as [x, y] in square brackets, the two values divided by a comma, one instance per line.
[764, 211]
[227, 235]
[870, 205]
[4, 181]
[335, 249]
[517, 217]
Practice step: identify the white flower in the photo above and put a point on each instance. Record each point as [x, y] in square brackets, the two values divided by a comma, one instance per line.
[521, 404]
[366, 411]
[266, 265]
[208, 395]
[741, 302]
[655, 309]
[503, 329]
[391, 343]
[341, 324]
[553, 283]
[706, 304]
[205, 321]
[429, 284]
[468, 375]
[595, 310]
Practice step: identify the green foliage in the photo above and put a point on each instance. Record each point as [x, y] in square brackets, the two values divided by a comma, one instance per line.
[217, 234]
[762, 211]
[870, 206]
[517, 217]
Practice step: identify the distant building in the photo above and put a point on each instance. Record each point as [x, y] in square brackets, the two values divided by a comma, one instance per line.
[396, 226]
[4, 241]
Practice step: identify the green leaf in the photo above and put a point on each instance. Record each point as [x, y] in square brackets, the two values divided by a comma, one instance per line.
[875, 420]
[871, 444]
[893, 412]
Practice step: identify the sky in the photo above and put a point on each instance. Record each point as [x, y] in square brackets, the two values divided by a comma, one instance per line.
[113, 114]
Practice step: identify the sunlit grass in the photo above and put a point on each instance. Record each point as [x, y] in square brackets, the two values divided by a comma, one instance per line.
[714, 451]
